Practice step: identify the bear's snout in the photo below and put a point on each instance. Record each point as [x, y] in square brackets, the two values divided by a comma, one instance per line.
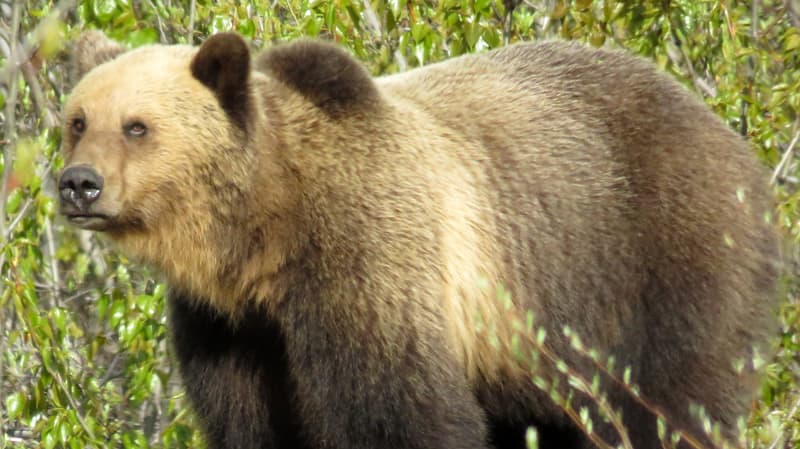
[79, 187]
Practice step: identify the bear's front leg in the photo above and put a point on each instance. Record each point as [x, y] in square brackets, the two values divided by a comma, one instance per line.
[234, 376]
[374, 381]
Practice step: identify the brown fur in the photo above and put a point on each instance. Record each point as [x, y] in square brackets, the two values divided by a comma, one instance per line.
[334, 261]
[90, 50]
[334, 82]
[223, 66]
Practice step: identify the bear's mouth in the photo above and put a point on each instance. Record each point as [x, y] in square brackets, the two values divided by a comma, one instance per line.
[94, 222]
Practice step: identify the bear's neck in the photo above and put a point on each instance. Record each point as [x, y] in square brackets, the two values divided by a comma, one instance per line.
[227, 255]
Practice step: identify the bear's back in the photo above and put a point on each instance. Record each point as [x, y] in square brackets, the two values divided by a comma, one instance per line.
[616, 199]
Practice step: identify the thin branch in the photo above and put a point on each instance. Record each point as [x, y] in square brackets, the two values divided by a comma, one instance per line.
[793, 11]
[6, 235]
[677, 54]
[93, 251]
[582, 385]
[43, 108]
[8, 157]
[111, 372]
[10, 112]
[162, 35]
[747, 90]
[3, 299]
[377, 30]
[70, 398]
[508, 19]
[372, 19]
[190, 32]
[787, 419]
[55, 278]
[36, 341]
[23, 211]
[682, 59]
[29, 48]
[782, 167]
[754, 20]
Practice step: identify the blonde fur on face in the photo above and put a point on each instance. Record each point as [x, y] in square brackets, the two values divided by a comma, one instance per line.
[152, 184]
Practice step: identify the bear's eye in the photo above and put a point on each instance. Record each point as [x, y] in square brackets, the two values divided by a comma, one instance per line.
[78, 126]
[136, 129]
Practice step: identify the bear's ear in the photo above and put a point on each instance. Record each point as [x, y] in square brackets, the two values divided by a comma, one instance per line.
[223, 65]
[90, 50]
[322, 72]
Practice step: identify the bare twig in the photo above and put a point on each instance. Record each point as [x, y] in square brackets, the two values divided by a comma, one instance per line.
[508, 19]
[793, 11]
[29, 48]
[3, 299]
[507, 27]
[23, 211]
[162, 34]
[70, 398]
[8, 157]
[10, 112]
[35, 339]
[789, 418]
[190, 32]
[55, 278]
[751, 74]
[43, 108]
[581, 384]
[6, 235]
[92, 251]
[754, 19]
[111, 372]
[377, 30]
[372, 19]
[677, 54]
[77, 295]
[783, 165]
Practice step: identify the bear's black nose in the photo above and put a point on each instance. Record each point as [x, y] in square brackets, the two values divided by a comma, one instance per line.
[80, 186]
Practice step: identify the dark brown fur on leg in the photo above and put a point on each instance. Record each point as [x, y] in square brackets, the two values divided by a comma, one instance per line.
[234, 376]
[365, 384]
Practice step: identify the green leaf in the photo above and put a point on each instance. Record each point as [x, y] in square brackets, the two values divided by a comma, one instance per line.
[118, 308]
[472, 33]
[143, 36]
[51, 37]
[221, 23]
[330, 16]
[104, 10]
[15, 404]
[419, 30]
[532, 438]
[792, 42]
[247, 27]
[49, 441]
[13, 201]
[313, 25]
[25, 162]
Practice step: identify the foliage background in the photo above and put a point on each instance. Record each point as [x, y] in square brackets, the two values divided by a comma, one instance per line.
[84, 360]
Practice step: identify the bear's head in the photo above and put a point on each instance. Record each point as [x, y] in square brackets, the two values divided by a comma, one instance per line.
[188, 158]
[162, 149]
[140, 127]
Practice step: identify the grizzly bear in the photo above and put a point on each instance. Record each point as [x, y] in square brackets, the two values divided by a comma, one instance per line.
[404, 262]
